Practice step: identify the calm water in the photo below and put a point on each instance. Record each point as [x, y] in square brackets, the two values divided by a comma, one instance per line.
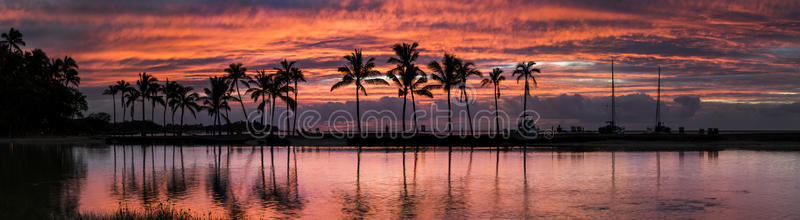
[267, 182]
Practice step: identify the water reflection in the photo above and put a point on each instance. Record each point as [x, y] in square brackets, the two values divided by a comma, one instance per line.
[403, 182]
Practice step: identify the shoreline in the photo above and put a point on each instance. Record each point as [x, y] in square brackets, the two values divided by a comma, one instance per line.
[562, 142]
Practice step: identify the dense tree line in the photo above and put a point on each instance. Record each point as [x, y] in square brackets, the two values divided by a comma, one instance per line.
[39, 93]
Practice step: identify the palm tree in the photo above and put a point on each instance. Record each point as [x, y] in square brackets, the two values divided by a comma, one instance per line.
[357, 71]
[236, 72]
[445, 74]
[408, 77]
[287, 71]
[131, 97]
[296, 75]
[269, 86]
[69, 70]
[169, 90]
[257, 88]
[13, 39]
[495, 78]
[123, 87]
[463, 72]
[145, 89]
[216, 98]
[112, 90]
[525, 70]
[184, 99]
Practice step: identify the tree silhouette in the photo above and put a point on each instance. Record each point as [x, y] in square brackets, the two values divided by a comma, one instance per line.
[357, 71]
[215, 99]
[445, 75]
[13, 39]
[123, 87]
[269, 86]
[463, 72]
[68, 71]
[170, 92]
[408, 77]
[185, 99]
[112, 90]
[494, 78]
[285, 73]
[525, 70]
[236, 72]
[131, 97]
[296, 75]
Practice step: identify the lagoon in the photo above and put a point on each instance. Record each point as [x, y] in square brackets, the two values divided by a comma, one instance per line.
[439, 182]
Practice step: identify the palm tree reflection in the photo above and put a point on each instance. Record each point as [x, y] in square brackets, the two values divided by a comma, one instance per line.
[284, 200]
[356, 206]
[407, 201]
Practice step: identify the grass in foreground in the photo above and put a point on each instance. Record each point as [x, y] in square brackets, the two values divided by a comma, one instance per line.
[157, 212]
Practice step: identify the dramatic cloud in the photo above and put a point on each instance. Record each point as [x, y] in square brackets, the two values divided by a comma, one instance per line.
[712, 53]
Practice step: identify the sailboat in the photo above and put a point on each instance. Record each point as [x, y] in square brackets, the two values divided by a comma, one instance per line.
[660, 128]
[611, 127]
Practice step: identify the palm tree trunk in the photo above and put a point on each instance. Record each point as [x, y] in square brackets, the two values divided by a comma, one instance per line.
[358, 112]
[297, 104]
[143, 110]
[449, 114]
[287, 112]
[272, 116]
[414, 109]
[405, 95]
[164, 118]
[227, 122]
[153, 110]
[263, 108]
[496, 110]
[114, 103]
[525, 97]
[244, 113]
[469, 115]
[133, 106]
[180, 130]
[122, 103]
[143, 105]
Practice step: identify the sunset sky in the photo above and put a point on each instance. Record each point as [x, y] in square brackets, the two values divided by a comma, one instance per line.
[727, 64]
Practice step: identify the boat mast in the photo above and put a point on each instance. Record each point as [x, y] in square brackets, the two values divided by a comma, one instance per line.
[613, 105]
[658, 100]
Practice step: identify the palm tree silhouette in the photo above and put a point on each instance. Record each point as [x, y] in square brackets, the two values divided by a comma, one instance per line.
[526, 70]
[495, 78]
[69, 71]
[296, 75]
[257, 88]
[236, 72]
[169, 89]
[275, 87]
[13, 39]
[288, 72]
[131, 98]
[184, 99]
[216, 98]
[112, 90]
[463, 72]
[357, 71]
[145, 89]
[408, 77]
[123, 87]
[445, 74]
